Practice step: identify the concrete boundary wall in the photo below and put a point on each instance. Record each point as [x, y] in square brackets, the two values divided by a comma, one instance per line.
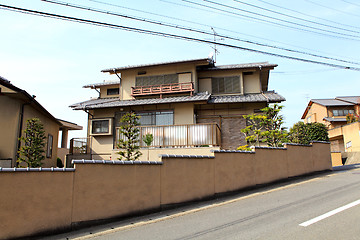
[51, 199]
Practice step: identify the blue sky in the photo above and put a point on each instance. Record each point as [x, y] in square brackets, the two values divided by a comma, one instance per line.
[53, 59]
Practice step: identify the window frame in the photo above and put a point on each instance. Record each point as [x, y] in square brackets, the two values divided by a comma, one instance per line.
[110, 126]
[154, 115]
[112, 89]
[219, 85]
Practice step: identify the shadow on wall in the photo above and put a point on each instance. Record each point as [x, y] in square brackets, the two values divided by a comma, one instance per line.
[99, 189]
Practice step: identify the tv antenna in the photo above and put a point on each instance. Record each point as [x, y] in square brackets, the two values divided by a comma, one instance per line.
[215, 39]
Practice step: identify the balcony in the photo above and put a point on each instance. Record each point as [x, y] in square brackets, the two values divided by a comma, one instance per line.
[162, 89]
[79, 146]
[190, 135]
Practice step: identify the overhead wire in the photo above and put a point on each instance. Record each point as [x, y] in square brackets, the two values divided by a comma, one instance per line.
[163, 34]
[190, 29]
[351, 3]
[205, 25]
[334, 9]
[294, 17]
[306, 14]
[282, 20]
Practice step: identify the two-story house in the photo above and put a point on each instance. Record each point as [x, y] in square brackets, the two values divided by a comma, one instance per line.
[344, 137]
[186, 105]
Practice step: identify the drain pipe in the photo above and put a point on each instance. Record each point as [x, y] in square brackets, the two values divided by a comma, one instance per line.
[119, 79]
[20, 127]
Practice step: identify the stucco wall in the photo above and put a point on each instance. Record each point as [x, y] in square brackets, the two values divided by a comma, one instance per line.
[351, 132]
[50, 201]
[34, 202]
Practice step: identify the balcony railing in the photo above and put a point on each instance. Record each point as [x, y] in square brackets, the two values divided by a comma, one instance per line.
[79, 146]
[163, 89]
[190, 135]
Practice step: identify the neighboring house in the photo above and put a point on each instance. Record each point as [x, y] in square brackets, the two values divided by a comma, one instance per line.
[332, 112]
[17, 106]
[184, 104]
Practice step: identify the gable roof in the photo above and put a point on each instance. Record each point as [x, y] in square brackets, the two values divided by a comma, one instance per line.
[200, 61]
[333, 102]
[28, 97]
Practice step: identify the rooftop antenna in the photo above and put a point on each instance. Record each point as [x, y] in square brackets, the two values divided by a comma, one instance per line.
[216, 38]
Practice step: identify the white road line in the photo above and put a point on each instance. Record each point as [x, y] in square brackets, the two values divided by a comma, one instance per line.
[328, 214]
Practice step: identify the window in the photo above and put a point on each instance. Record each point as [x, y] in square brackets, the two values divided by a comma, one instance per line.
[156, 118]
[226, 84]
[348, 144]
[112, 91]
[342, 112]
[101, 127]
[49, 146]
[156, 80]
[308, 120]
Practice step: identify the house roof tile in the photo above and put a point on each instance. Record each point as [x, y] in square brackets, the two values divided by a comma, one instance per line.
[331, 102]
[270, 97]
[242, 66]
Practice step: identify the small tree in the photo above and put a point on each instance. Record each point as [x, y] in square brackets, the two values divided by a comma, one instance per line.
[302, 133]
[148, 139]
[350, 118]
[130, 141]
[266, 127]
[33, 139]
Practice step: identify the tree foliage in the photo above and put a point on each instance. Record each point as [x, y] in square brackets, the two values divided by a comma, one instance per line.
[266, 127]
[148, 139]
[350, 118]
[33, 139]
[129, 142]
[302, 133]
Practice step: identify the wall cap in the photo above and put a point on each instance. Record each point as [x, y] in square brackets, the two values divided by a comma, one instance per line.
[116, 162]
[278, 148]
[184, 156]
[298, 144]
[320, 142]
[231, 151]
[52, 169]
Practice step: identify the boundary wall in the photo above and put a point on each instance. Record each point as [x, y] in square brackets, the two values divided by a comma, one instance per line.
[48, 200]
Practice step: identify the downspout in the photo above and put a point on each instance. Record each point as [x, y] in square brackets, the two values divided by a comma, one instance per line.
[21, 115]
[119, 82]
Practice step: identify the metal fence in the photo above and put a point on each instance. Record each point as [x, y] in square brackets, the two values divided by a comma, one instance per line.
[196, 135]
[79, 146]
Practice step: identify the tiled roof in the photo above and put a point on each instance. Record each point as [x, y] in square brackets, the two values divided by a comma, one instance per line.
[105, 83]
[270, 97]
[242, 66]
[350, 99]
[330, 119]
[331, 102]
[116, 102]
[111, 70]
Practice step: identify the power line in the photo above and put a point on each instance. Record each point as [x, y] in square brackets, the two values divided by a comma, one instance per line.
[205, 25]
[281, 20]
[351, 3]
[162, 34]
[305, 14]
[297, 18]
[192, 30]
[334, 9]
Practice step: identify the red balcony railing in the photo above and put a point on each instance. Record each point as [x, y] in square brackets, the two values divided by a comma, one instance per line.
[163, 89]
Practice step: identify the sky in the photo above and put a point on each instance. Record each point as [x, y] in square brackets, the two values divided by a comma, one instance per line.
[53, 59]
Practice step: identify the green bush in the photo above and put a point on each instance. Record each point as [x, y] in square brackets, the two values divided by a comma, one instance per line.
[59, 163]
[302, 133]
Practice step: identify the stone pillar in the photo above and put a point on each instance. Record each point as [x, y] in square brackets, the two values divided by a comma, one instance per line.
[64, 137]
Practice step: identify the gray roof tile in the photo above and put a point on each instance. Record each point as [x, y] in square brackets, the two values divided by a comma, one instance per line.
[252, 97]
[105, 83]
[331, 102]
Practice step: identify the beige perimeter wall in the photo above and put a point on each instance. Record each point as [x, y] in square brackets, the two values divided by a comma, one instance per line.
[38, 202]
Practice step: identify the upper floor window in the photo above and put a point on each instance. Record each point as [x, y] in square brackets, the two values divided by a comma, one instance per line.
[156, 80]
[112, 91]
[225, 84]
[101, 126]
[342, 112]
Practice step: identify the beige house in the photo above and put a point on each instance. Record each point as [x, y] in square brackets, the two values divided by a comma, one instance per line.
[344, 137]
[189, 106]
[17, 106]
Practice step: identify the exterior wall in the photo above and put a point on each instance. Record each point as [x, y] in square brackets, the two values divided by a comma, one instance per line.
[114, 190]
[252, 83]
[187, 74]
[121, 188]
[152, 154]
[10, 111]
[35, 202]
[184, 113]
[9, 122]
[317, 113]
[103, 91]
[351, 133]
[205, 85]
[336, 159]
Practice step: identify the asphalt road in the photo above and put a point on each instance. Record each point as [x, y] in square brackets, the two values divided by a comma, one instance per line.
[322, 207]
